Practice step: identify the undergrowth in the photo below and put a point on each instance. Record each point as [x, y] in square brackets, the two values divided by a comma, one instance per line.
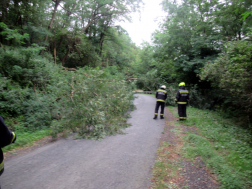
[26, 139]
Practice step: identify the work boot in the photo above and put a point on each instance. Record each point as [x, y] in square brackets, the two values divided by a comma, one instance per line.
[161, 117]
[155, 117]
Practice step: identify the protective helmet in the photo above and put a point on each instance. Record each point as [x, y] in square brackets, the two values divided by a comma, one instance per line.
[181, 84]
[163, 87]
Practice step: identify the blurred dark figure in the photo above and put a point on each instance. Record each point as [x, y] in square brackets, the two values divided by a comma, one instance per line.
[6, 137]
[161, 95]
[182, 98]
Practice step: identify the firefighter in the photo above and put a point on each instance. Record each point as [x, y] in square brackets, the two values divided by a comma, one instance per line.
[182, 98]
[161, 95]
[6, 137]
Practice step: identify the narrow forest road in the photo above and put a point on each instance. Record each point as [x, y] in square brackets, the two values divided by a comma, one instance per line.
[117, 162]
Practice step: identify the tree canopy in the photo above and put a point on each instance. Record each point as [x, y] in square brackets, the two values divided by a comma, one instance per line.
[205, 43]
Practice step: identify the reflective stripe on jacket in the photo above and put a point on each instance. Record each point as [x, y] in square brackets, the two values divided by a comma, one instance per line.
[182, 96]
[161, 95]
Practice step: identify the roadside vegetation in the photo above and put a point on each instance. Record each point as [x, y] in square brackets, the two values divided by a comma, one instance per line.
[66, 66]
[222, 144]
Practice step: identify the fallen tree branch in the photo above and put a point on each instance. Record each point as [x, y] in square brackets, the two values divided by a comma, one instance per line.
[70, 69]
[72, 86]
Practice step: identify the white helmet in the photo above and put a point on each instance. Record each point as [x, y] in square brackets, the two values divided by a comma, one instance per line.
[163, 87]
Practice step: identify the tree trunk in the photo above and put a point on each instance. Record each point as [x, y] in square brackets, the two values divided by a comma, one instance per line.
[34, 86]
[65, 57]
[61, 36]
[89, 23]
[57, 2]
[101, 43]
[55, 56]
[93, 17]
[4, 9]
[69, 14]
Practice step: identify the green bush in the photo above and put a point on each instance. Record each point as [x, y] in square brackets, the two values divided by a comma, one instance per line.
[171, 95]
[25, 67]
[24, 87]
[95, 104]
[231, 71]
[92, 102]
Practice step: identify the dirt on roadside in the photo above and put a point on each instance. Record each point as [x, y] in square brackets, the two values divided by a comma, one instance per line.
[189, 174]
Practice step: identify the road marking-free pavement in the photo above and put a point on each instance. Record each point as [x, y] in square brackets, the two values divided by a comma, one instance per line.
[116, 162]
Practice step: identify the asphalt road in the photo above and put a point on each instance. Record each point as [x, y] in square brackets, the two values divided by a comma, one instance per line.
[116, 162]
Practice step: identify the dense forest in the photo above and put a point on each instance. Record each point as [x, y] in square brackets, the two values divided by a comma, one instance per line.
[66, 65]
[206, 44]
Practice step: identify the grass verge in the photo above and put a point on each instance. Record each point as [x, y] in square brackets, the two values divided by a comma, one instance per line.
[166, 168]
[25, 139]
[223, 145]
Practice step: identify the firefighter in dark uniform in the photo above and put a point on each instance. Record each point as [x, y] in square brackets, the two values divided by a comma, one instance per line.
[6, 137]
[161, 95]
[182, 98]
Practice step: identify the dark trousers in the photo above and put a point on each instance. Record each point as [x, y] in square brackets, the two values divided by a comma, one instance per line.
[1, 161]
[162, 104]
[182, 111]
